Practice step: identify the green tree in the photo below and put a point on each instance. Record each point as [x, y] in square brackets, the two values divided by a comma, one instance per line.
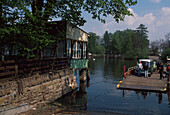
[140, 45]
[117, 42]
[143, 47]
[154, 46]
[165, 53]
[92, 42]
[106, 39]
[35, 14]
[100, 49]
[142, 29]
[130, 44]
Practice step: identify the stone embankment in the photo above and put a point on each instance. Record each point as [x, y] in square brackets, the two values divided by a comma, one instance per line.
[36, 89]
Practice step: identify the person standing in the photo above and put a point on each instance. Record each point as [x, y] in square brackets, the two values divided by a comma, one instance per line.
[161, 68]
[140, 67]
[145, 67]
[157, 64]
[167, 70]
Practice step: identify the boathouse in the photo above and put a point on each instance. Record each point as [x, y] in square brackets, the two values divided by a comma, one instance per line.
[72, 43]
[30, 81]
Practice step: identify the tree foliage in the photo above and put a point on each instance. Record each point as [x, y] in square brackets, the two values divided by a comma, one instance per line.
[154, 46]
[94, 45]
[129, 43]
[142, 30]
[106, 39]
[34, 15]
[165, 53]
[160, 45]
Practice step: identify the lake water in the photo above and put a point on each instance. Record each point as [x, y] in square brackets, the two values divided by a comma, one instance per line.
[101, 93]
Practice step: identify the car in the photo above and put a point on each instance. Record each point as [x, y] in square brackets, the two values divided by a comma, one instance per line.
[150, 65]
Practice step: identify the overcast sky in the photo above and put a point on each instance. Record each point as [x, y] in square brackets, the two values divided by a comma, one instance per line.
[154, 14]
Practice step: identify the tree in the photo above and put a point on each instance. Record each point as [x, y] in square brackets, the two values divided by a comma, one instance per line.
[34, 15]
[117, 42]
[92, 42]
[106, 39]
[165, 53]
[100, 49]
[142, 29]
[167, 39]
[154, 46]
[130, 44]
[8, 28]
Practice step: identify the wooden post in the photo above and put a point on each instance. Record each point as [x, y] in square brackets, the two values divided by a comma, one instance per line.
[82, 75]
[19, 82]
[88, 74]
[82, 87]
[16, 69]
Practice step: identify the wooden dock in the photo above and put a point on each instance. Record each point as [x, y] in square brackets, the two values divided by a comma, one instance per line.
[153, 83]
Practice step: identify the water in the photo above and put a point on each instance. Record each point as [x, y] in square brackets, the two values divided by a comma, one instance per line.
[102, 94]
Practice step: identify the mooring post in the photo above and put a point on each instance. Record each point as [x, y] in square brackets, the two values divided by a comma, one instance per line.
[124, 76]
[82, 86]
[83, 75]
[88, 74]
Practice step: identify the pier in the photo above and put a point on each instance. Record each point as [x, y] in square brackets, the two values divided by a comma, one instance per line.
[153, 83]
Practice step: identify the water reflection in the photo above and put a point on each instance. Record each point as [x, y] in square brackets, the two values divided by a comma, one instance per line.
[160, 98]
[75, 100]
[82, 87]
[101, 93]
[146, 94]
[168, 93]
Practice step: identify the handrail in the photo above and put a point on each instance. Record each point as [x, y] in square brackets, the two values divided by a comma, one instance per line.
[132, 68]
[129, 71]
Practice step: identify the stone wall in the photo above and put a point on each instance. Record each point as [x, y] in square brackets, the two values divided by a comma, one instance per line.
[35, 89]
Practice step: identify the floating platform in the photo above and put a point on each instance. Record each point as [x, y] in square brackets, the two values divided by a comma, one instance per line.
[153, 83]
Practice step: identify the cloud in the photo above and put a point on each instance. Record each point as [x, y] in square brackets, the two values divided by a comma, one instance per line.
[146, 19]
[156, 1]
[134, 21]
[158, 23]
[164, 17]
[165, 11]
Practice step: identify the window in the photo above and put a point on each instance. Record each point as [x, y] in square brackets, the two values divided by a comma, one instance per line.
[60, 48]
[84, 50]
[48, 52]
[76, 50]
[69, 48]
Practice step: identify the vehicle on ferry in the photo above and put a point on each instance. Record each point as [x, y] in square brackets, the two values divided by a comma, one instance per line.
[150, 65]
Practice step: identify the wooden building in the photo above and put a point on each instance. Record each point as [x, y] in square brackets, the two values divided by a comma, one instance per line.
[72, 43]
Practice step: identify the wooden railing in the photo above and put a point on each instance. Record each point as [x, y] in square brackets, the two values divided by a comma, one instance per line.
[21, 68]
[128, 72]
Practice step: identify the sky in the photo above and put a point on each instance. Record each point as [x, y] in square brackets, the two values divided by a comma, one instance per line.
[154, 14]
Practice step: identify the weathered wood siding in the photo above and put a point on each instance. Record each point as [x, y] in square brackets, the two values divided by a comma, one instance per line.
[76, 33]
